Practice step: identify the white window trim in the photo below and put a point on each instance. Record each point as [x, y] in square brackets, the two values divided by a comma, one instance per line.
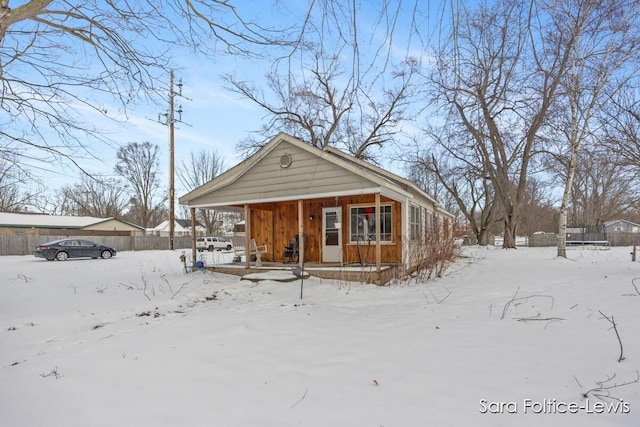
[370, 205]
[418, 222]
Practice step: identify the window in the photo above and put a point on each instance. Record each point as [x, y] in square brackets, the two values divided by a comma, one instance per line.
[415, 222]
[363, 224]
[435, 229]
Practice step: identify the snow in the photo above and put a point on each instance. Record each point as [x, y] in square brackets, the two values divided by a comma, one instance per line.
[135, 341]
[35, 220]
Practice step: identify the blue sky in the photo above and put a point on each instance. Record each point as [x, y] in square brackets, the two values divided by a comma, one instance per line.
[214, 118]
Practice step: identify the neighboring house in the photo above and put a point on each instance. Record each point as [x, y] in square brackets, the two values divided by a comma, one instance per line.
[621, 225]
[238, 228]
[289, 187]
[182, 227]
[37, 224]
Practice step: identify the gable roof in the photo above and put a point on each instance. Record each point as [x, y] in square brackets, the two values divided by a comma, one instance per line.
[322, 166]
[20, 220]
[183, 224]
[620, 221]
[186, 223]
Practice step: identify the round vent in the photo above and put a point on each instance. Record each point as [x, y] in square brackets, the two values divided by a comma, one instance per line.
[285, 160]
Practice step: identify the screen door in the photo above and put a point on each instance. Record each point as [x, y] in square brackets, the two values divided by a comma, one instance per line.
[331, 234]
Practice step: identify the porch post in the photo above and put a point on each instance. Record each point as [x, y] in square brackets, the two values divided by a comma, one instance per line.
[300, 234]
[193, 234]
[378, 249]
[247, 236]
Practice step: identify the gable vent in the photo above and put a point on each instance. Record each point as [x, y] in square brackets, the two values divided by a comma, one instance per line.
[285, 161]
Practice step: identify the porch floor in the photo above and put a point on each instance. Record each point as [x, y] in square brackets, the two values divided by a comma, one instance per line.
[222, 263]
[365, 274]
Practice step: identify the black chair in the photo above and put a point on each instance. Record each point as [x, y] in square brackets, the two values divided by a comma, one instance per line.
[291, 251]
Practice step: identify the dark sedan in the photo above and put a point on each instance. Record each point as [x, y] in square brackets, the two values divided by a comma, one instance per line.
[73, 248]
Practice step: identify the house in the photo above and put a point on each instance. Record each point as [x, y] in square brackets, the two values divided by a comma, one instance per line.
[238, 228]
[621, 225]
[55, 225]
[349, 211]
[182, 227]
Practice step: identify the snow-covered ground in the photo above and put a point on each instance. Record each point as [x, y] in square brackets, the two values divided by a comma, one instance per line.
[134, 341]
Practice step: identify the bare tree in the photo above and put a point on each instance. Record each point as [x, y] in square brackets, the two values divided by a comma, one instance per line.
[621, 123]
[496, 76]
[601, 62]
[47, 202]
[538, 210]
[201, 168]
[138, 165]
[95, 196]
[455, 164]
[427, 181]
[12, 199]
[340, 87]
[63, 62]
[473, 194]
[621, 126]
[602, 188]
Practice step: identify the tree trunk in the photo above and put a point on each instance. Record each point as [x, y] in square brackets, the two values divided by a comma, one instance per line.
[509, 241]
[562, 229]
[483, 237]
[510, 227]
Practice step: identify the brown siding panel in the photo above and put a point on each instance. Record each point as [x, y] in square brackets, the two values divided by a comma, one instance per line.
[276, 224]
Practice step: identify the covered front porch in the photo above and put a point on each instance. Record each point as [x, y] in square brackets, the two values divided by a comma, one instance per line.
[345, 236]
[222, 262]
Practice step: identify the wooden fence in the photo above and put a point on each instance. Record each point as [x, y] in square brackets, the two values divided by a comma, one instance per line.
[25, 245]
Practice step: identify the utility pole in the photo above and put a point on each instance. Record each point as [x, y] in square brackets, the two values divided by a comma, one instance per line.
[170, 120]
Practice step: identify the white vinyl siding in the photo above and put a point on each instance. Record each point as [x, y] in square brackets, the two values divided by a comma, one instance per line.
[308, 173]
